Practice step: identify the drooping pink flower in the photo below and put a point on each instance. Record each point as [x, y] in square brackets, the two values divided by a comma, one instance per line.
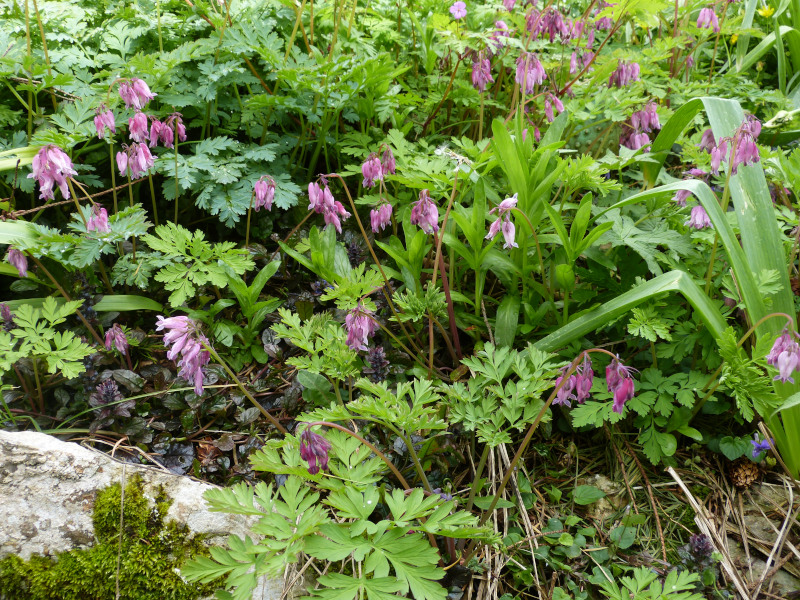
[707, 141]
[458, 10]
[360, 327]
[387, 162]
[137, 126]
[624, 74]
[718, 154]
[698, 218]
[565, 392]
[680, 197]
[372, 169]
[99, 220]
[551, 101]
[579, 385]
[505, 206]
[573, 63]
[499, 37]
[481, 73]
[186, 341]
[174, 122]
[619, 380]
[51, 166]
[503, 224]
[122, 162]
[381, 217]
[550, 23]
[115, 338]
[140, 160]
[18, 260]
[104, 119]
[264, 190]
[785, 356]
[314, 450]
[509, 233]
[155, 132]
[530, 72]
[425, 213]
[135, 93]
[509, 4]
[708, 19]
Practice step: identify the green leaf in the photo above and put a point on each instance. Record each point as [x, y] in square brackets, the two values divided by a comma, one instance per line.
[506, 321]
[484, 502]
[587, 494]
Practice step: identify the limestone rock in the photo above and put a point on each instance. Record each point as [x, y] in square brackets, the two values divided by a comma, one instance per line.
[47, 492]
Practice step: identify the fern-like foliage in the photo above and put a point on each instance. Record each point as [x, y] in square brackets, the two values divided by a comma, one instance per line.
[194, 262]
[35, 336]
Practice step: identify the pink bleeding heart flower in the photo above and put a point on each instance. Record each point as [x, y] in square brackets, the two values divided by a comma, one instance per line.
[425, 213]
[104, 119]
[381, 217]
[264, 190]
[115, 338]
[99, 220]
[184, 340]
[51, 166]
[314, 450]
[18, 260]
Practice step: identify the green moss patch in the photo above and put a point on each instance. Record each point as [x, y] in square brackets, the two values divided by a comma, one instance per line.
[148, 557]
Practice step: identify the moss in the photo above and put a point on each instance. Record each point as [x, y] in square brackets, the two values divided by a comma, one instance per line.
[150, 554]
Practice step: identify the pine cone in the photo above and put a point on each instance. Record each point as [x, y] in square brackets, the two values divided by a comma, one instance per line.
[744, 473]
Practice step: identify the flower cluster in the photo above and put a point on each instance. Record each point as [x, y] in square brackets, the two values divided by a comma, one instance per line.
[742, 146]
[135, 93]
[551, 101]
[635, 131]
[481, 72]
[620, 383]
[372, 169]
[18, 260]
[551, 23]
[314, 450]
[115, 338]
[708, 19]
[381, 217]
[99, 220]
[135, 160]
[425, 213]
[187, 341]
[264, 192]
[165, 131]
[51, 166]
[698, 218]
[530, 72]
[104, 119]
[360, 326]
[624, 74]
[579, 385]
[321, 201]
[785, 356]
[503, 222]
[577, 62]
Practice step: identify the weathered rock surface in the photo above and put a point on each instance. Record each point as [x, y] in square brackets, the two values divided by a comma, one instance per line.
[47, 492]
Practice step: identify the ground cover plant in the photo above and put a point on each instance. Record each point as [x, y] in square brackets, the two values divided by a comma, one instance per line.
[459, 299]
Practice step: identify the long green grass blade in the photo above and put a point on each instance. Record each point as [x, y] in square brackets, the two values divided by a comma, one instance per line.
[674, 281]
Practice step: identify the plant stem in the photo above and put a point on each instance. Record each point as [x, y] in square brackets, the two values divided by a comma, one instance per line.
[113, 172]
[38, 385]
[153, 197]
[386, 287]
[177, 191]
[44, 49]
[478, 472]
[247, 230]
[158, 16]
[239, 384]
